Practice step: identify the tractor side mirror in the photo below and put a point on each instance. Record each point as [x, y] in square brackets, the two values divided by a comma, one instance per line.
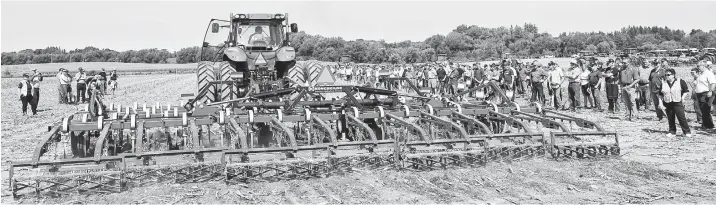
[215, 27]
[205, 44]
[294, 28]
[239, 31]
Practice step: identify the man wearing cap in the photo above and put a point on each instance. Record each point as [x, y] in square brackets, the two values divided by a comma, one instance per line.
[595, 85]
[629, 78]
[704, 89]
[35, 80]
[655, 81]
[507, 78]
[574, 84]
[64, 87]
[612, 77]
[81, 79]
[537, 76]
[478, 76]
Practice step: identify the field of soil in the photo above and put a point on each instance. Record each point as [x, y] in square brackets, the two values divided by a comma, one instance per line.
[652, 168]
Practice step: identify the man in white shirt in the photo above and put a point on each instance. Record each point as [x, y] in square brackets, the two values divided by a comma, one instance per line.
[81, 78]
[64, 87]
[35, 80]
[25, 88]
[556, 78]
[704, 87]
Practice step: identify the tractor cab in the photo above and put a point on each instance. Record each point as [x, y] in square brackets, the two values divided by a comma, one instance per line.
[247, 53]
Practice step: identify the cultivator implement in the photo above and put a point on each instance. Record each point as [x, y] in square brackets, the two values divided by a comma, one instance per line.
[294, 133]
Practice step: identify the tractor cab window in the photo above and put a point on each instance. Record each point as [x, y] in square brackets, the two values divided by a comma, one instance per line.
[265, 34]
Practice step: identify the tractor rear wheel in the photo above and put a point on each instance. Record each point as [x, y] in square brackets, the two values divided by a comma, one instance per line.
[205, 74]
[225, 91]
[304, 72]
[297, 74]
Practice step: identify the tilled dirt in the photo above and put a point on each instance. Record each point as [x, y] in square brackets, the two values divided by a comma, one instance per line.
[652, 168]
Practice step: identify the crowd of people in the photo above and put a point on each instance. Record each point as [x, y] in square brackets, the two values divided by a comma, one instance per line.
[633, 88]
[649, 87]
[86, 86]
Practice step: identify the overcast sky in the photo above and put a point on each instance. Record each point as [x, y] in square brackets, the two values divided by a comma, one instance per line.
[174, 24]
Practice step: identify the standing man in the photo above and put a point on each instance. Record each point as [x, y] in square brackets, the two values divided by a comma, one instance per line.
[442, 79]
[508, 80]
[64, 87]
[523, 79]
[573, 76]
[705, 85]
[611, 75]
[595, 85]
[113, 80]
[629, 78]
[35, 82]
[432, 79]
[556, 78]
[584, 83]
[103, 81]
[455, 76]
[81, 79]
[538, 75]
[478, 76]
[26, 94]
[655, 82]
[643, 88]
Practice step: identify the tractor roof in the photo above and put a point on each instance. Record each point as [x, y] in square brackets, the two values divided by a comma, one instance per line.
[259, 16]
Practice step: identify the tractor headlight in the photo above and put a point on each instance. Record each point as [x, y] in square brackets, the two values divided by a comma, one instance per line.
[286, 54]
[235, 54]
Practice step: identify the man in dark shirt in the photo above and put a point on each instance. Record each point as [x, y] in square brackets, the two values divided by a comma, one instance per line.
[507, 77]
[455, 77]
[595, 85]
[537, 76]
[655, 79]
[441, 79]
[523, 75]
[612, 77]
[103, 81]
[478, 75]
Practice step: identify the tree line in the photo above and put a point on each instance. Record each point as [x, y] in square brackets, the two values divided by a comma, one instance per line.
[464, 43]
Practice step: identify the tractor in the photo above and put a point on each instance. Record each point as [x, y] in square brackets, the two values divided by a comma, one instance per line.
[250, 53]
[708, 54]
